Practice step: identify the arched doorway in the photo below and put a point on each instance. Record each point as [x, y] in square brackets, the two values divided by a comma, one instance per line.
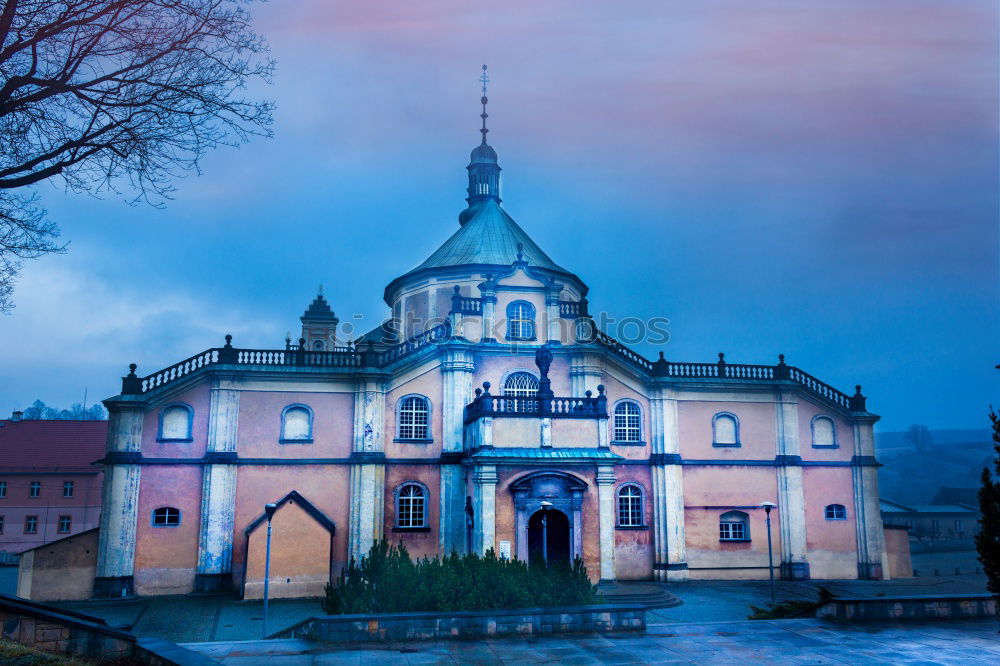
[548, 534]
[563, 494]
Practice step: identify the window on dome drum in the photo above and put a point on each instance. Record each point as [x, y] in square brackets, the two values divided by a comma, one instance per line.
[836, 512]
[725, 430]
[734, 526]
[31, 524]
[520, 321]
[628, 422]
[523, 387]
[414, 417]
[67, 488]
[65, 524]
[166, 516]
[296, 424]
[3, 489]
[411, 506]
[35, 489]
[630, 506]
[824, 433]
[175, 424]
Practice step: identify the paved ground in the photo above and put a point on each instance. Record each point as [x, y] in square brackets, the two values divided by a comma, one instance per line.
[784, 641]
[190, 619]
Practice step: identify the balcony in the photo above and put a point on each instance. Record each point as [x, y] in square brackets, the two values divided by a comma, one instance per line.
[537, 406]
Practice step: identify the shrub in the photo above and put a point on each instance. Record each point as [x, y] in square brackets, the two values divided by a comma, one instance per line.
[387, 581]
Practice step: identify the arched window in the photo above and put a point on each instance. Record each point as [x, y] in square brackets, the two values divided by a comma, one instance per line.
[523, 386]
[628, 422]
[630, 506]
[296, 424]
[836, 512]
[725, 430]
[413, 418]
[318, 345]
[520, 321]
[734, 526]
[824, 432]
[411, 506]
[175, 423]
[166, 516]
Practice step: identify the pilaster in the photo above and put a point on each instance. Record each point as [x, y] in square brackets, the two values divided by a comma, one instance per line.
[670, 552]
[585, 374]
[120, 504]
[457, 368]
[872, 556]
[368, 478]
[218, 494]
[791, 497]
[484, 486]
[606, 518]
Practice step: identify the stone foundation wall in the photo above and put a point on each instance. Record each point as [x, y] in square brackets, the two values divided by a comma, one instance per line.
[468, 624]
[926, 607]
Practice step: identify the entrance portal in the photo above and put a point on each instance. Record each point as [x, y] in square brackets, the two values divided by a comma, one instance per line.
[548, 531]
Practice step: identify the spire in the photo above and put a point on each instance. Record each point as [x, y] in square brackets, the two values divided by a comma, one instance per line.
[484, 80]
[484, 172]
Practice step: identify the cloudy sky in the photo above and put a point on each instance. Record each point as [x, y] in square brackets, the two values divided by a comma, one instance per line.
[814, 178]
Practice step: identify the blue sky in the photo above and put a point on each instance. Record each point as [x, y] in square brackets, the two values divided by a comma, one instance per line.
[811, 178]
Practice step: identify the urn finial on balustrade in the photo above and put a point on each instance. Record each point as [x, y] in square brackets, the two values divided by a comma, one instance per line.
[227, 354]
[660, 366]
[722, 364]
[781, 370]
[486, 388]
[131, 384]
[856, 402]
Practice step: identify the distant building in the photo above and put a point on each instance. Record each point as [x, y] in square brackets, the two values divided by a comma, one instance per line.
[933, 522]
[49, 488]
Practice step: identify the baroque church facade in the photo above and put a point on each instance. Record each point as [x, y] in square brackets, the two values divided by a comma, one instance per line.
[488, 413]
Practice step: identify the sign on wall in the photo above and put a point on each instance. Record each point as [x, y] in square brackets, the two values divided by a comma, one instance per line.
[505, 550]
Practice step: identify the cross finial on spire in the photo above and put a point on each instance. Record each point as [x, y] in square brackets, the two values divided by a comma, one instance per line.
[484, 80]
[321, 290]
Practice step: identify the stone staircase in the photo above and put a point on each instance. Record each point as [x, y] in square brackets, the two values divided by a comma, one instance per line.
[649, 594]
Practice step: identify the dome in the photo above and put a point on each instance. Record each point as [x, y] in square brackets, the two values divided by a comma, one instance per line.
[483, 153]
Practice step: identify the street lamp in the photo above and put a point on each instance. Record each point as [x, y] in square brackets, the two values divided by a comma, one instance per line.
[269, 510]
[545, 504]
[770, 556]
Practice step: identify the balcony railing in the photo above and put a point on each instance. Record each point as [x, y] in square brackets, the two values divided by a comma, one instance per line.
[537, 406]
[349, 358]
[296, 356]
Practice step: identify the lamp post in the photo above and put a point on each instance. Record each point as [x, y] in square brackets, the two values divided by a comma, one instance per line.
[770, 556]
[269, 510]
[545, 504]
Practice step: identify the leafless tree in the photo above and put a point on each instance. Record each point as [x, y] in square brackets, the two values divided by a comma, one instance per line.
[116, 95]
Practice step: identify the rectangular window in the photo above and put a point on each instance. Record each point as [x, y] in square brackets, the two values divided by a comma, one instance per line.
[31, 524]
[65, 523]
[35, 489]
[67, 488]
[936, 525]
[1, 524]
[3, 489]
[959, 527]
[732, 531]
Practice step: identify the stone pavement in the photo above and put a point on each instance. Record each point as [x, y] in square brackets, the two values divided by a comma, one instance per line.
[767, 642]
[186, 619]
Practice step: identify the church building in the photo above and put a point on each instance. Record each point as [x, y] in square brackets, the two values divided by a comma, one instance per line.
[487, 413]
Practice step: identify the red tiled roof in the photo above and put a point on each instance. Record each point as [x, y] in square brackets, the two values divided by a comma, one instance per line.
[53, 445]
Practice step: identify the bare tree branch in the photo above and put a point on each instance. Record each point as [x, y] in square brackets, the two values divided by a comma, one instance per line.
[117, 94]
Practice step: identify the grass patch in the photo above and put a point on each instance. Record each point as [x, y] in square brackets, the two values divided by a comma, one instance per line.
[791, 609]
[15, 654]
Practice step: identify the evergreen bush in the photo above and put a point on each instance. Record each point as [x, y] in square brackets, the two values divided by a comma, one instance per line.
[388, 581]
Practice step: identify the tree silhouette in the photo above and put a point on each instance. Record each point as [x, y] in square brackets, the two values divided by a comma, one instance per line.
[116, 95]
